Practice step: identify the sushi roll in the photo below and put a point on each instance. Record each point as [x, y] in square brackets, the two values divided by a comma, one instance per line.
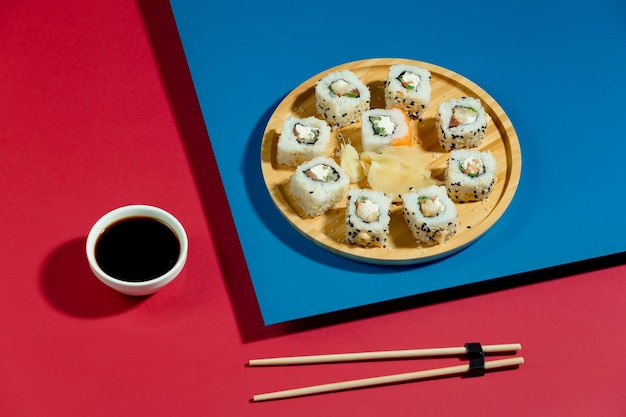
[470, 175]
[384, 127]
[340, 98]
[430, 214]
[408, 88]
[368, 213]
[317, 185]
[302, 140]
[461, 123]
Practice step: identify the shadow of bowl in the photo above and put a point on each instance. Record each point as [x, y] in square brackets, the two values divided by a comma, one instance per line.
[70, 286]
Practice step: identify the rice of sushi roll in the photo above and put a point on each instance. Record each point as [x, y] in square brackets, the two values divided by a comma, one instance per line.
[430, 214]
[461, 123]
[408, 88]
[368, 213]
[302, 140]
[317, 185]
[470, 175]
[384, 127]
[341, 97]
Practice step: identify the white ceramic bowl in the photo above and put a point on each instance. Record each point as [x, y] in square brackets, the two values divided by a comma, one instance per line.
[142, 287]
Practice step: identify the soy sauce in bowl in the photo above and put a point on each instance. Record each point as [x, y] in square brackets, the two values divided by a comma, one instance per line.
[137, 249]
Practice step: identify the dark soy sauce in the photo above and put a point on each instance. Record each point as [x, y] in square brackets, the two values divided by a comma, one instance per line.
[137, 249]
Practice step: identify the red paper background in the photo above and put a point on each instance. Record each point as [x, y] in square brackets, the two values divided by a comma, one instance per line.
[97, 110]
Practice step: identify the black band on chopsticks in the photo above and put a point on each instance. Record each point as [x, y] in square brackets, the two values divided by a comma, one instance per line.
[476, 358]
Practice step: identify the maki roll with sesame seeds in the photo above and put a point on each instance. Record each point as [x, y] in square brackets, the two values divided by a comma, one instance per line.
[317, 185]
[368, 213]
[384, 127]
[461, 123]
[341, 97]
[470, 175]
[430, 214]
[301, 140]
[407, 87]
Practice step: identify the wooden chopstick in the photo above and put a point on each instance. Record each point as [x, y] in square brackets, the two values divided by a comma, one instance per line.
[383, 380]
[380, 355]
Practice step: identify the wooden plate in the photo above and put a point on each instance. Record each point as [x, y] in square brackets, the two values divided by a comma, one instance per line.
[475, 219]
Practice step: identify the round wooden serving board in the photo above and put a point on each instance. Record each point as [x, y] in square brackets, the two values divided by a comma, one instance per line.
[328, 230]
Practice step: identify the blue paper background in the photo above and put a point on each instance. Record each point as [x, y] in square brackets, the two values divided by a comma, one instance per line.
[556, 68]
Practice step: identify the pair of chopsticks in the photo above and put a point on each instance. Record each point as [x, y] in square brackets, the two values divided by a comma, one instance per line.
[474, 351]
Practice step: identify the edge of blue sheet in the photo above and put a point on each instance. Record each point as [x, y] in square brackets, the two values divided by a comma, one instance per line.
[555, 68]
